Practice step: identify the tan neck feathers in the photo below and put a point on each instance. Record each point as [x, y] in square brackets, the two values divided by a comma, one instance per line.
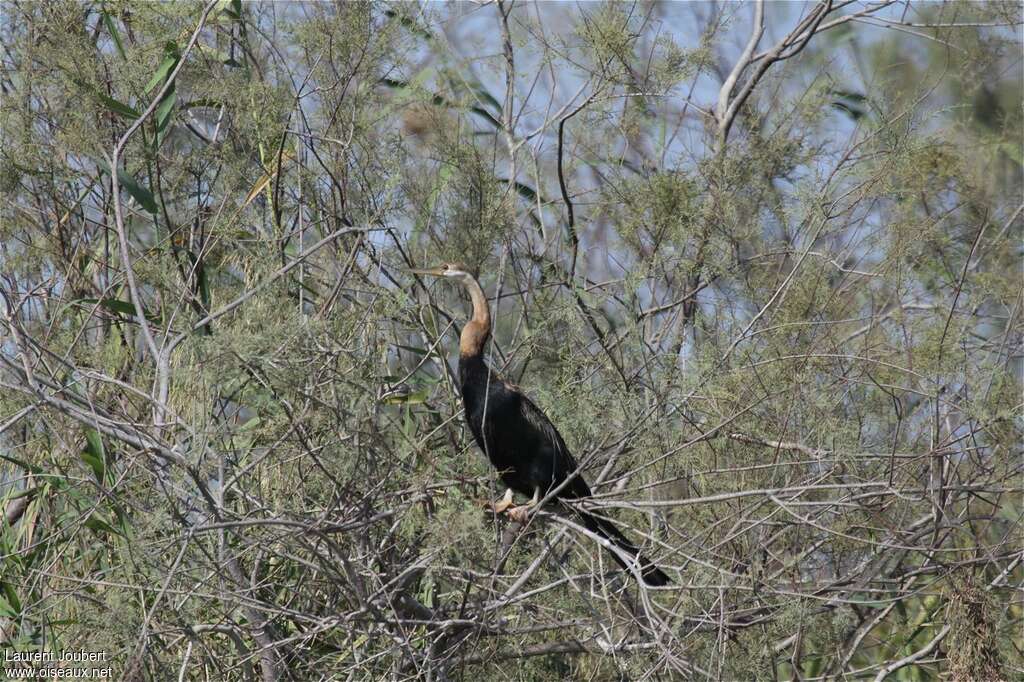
[475, 333]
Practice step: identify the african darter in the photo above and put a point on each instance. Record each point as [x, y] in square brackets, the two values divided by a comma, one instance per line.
[520, 441]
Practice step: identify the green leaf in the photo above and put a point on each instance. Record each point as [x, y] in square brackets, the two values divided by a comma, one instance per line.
[94, 443]
[99, 525]
[849, 102]
[142, 195]
[855, 113]
[202, 103]
[108, 21]
[114, 305]
[138, 192]
[111, 304]
[95, 464]
[171, 57]
[409, 24]
[12, 598]
[249, 425]
[94, 454]
[22, 464]
[477, 88]
[481, 93]
[164, 109]
[525, 191]
[106, 100]
[442, 102]
[26, 492]
[849, 95]
[415, 398]
[204, 288]
[412, 349]
[117, 107]
[427, 588]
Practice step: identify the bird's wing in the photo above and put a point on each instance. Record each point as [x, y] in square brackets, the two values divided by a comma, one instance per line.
[564, 463]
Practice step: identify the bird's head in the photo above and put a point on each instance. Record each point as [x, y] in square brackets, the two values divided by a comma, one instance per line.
[476, 331]
[454, 271]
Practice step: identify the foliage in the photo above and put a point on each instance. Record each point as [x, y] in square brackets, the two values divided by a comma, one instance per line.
[771, 298]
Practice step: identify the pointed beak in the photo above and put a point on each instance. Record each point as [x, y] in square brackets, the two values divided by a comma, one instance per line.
[430, 272]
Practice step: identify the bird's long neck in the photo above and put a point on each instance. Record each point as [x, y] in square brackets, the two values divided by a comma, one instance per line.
[476, 331]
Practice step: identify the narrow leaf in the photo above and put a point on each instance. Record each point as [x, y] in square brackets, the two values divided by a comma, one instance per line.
[138, 192]
[856, 113]
[266, 178]
[164, 109]
[142, 195]
[115, 35]
[114, 305]
[171, 57]
[12, 597]
[94, 454]
[202, 103]
[117, 107]
[99, 525]
[22, 464]
[416, 398]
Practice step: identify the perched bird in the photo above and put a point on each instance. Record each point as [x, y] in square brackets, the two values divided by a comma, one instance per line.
[519, 440]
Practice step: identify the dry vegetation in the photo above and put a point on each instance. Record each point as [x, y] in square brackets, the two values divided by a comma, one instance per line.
[759, 262]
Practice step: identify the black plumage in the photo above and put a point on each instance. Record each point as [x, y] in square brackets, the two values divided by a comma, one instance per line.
[519, 440]
[529, 453]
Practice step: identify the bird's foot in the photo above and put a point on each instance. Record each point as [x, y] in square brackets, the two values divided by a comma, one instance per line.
[501, 505]
[520, 514]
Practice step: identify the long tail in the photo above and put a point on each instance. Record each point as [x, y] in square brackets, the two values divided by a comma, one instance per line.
[652, 575]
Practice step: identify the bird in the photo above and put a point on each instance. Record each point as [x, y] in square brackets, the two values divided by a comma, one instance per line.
[520, 441]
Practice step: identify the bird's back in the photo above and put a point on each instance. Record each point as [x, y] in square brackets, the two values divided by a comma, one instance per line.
[520, 441]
